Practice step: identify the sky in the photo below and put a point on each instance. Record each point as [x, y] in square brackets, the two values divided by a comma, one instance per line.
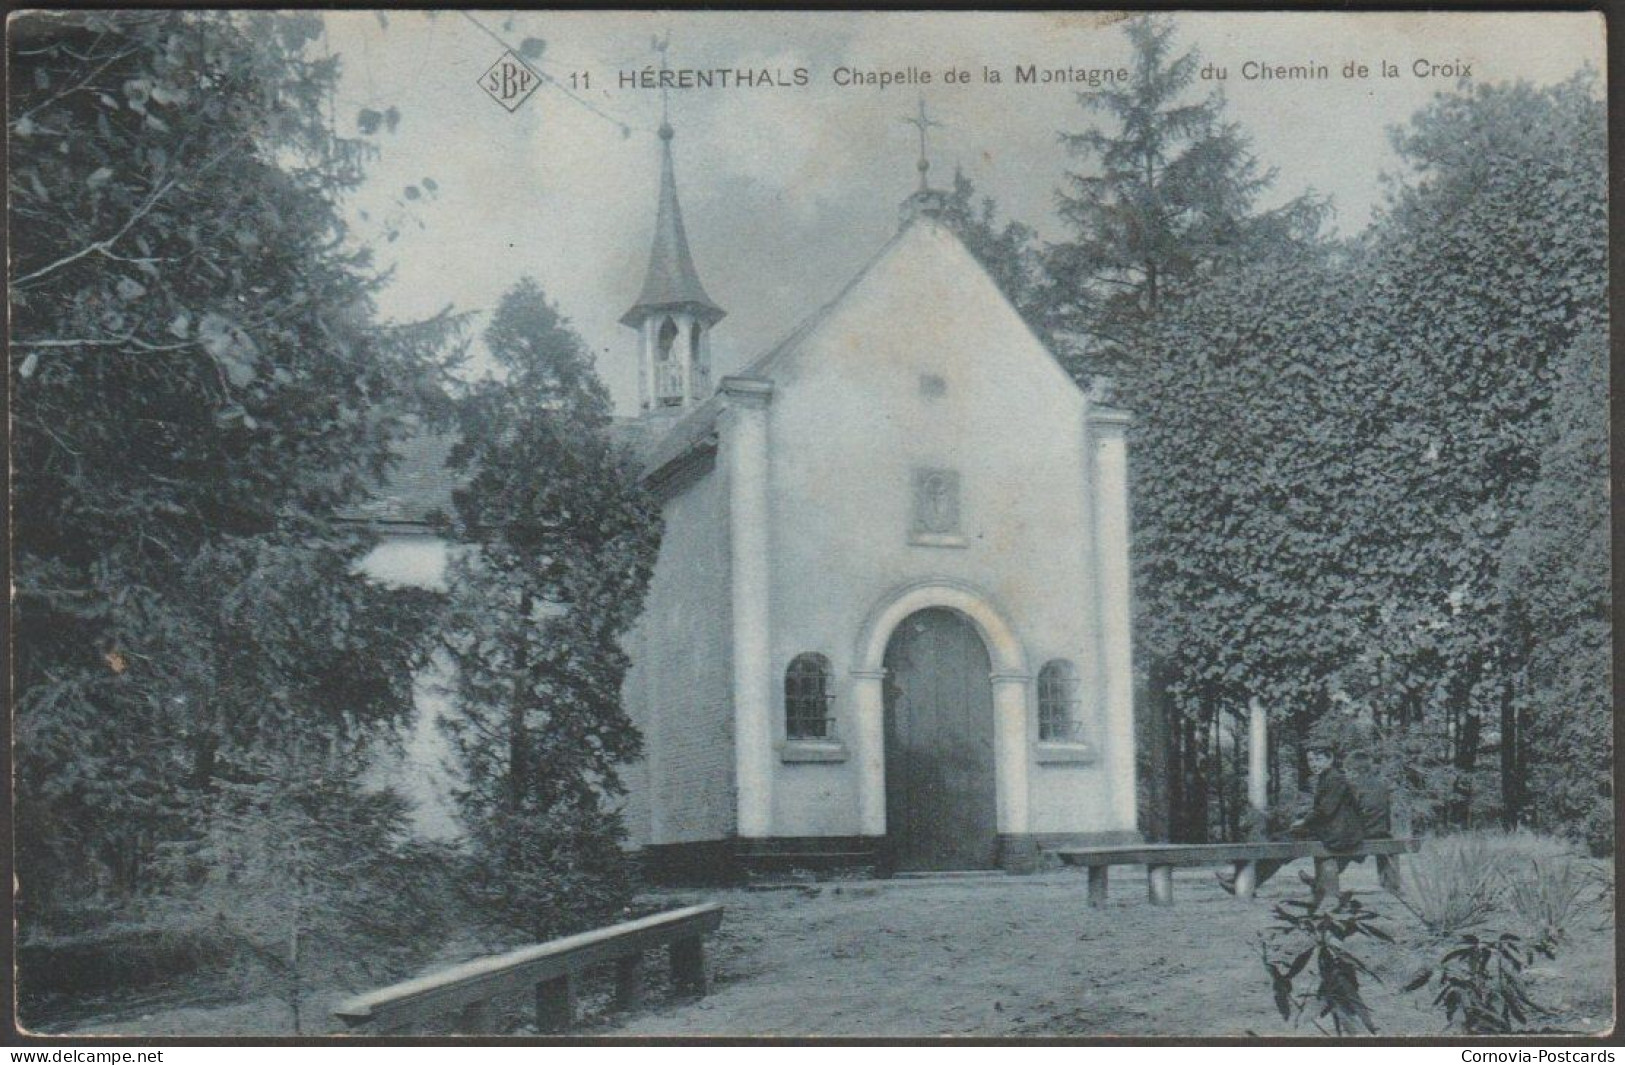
[788, 190]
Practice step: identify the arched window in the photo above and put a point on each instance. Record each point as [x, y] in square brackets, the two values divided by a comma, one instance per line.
[1058, 701]
[699, 368]
[667, 337]
[808, 695]
[668, 375]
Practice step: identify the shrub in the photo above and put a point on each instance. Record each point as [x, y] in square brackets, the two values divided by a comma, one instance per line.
[553, 873]
[1481, 984]
[1547, 896]
[1601, 878]
[1298, 938]
[151, 955]
[1451, 885]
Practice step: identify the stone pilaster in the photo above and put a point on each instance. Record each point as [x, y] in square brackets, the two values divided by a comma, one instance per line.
[869, 748]
[1109, 468]
[744, 446]
[1010, 750]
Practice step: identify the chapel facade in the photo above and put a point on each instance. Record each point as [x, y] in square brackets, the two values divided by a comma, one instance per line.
[889, 625]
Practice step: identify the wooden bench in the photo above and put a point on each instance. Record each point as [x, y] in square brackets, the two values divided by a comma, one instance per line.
[1159, 860]
[467, 991]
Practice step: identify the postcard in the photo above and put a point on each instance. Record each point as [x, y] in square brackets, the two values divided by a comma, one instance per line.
[775, 524]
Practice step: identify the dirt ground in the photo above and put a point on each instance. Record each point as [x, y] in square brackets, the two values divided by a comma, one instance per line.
[1011, 957]
[1025, 956]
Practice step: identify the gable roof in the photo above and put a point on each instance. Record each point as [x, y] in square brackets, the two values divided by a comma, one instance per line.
[700, 425]
[420, 484]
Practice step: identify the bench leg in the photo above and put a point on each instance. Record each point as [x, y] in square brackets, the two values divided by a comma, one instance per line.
[1160, 884]
[628, 982]
[555, 1005]
[1327, 885]
[1097, 884]
[1246, 879]
[688, 966]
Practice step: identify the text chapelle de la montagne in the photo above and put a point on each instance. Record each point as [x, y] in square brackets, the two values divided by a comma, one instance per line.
[651, 77]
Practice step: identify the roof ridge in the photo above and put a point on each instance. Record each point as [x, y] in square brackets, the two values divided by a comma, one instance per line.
[796, 336]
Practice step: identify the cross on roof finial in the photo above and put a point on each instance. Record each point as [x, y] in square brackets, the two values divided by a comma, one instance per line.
[922, 123]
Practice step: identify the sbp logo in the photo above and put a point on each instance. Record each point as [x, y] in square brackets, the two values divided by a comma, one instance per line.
[510, 81]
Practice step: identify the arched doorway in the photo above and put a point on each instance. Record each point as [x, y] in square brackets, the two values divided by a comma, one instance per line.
[941, 778]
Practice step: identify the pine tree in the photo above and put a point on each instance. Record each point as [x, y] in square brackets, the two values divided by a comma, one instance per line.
[1168, 196]
[199, 388]
[565, 540]
[1010, 253]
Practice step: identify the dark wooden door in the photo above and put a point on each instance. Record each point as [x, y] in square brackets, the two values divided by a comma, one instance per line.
[941, 806]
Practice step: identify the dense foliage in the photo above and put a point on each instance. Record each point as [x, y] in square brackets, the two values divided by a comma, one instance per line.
[1555, 581]
[1357, 463]
[1010, 252]
[1484, 276]
[199, 391]
[562, 545]
[1318, 932]
[1247, 427]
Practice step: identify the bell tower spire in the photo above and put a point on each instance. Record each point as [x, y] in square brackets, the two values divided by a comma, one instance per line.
[673, 315]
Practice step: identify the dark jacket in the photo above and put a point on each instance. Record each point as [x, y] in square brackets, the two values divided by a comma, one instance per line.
[1336, 819]
[1376, 808]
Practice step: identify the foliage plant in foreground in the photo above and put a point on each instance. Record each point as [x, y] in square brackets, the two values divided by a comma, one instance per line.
[1481, 983]
[1303, 934]
[1451, 886]
[1547, 897]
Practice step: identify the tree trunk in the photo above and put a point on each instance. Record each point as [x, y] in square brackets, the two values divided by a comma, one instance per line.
[1300, 752]
[1468, 731]
[1160, 761]
[1511, 770]
[1196, 826]
[1274, 759]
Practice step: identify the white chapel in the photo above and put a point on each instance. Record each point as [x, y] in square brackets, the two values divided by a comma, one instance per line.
[889, 625]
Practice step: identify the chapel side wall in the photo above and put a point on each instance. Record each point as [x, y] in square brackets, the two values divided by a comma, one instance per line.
[683, 675]
[423, 767]
[849, 423]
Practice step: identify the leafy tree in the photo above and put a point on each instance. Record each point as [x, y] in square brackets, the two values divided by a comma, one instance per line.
[564, 545]
[1489, 263]
[1244, 456]
[1556, 586]
[1169, 195]
[198, 389]
[1348, 463]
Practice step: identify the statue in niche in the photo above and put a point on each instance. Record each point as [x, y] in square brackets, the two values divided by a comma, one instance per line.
[936, 502]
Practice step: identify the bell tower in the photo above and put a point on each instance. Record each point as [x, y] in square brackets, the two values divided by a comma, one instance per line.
[673, 315]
